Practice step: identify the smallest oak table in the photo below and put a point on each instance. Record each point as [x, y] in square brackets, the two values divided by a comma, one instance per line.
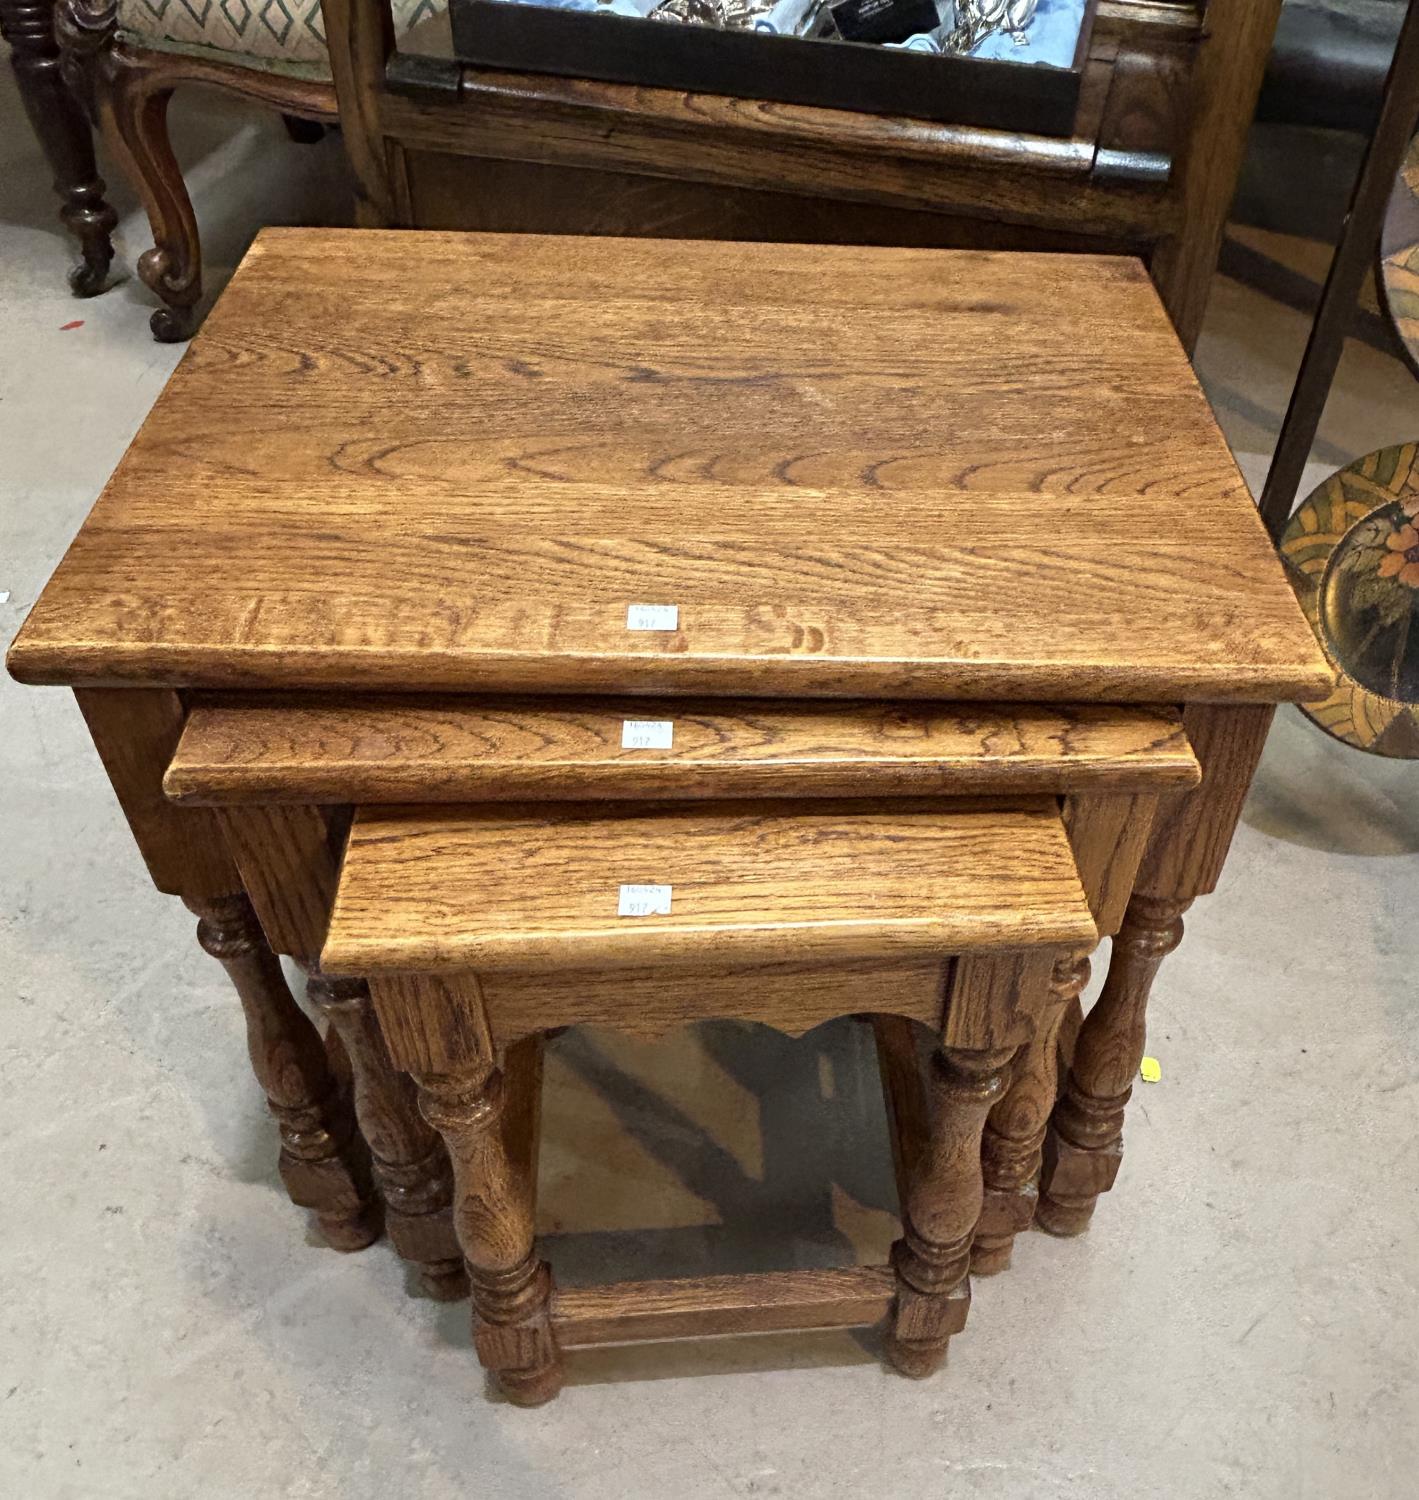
[408, 465]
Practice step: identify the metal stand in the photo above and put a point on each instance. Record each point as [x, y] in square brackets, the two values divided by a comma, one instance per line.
[1354, 254]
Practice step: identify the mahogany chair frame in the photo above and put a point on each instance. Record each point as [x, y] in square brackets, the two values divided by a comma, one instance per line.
[127, 89]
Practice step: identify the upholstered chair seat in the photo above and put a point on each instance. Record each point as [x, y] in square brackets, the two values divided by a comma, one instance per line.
[285, 36]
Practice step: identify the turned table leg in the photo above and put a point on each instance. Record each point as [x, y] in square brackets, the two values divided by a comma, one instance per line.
[932, 1259]
[493, 1214]
[323, 1162]
[410, 1163]
[1013, 1143]
[65, 136]
[1084, 1144]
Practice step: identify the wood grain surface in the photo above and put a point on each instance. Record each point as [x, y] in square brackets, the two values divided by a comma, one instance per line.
[436, 461]
[289, 867]
[699, 1307]
[493, 889]
[651, 1001]
[135, 734]
[1109, 836]
[377, 750]
[1192, 831]
[1236, 37]
[994, 999]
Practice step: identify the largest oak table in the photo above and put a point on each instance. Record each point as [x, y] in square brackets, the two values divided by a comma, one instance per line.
[416, 463]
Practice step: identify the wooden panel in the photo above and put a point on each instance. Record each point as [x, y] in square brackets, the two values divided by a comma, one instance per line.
[901, 1066]
[1234, 46]
[996, 998]
[651, 1002]
[1192, 831]
[756, 144]
[134, 733]
[488, 193]
[435, 1024]
[636, 1311]
[470, 750]
[289, 870]
[1108, 836]
[435, 461]
[516, 889]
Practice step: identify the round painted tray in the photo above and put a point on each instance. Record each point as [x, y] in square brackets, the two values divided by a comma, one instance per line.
[1352, 550]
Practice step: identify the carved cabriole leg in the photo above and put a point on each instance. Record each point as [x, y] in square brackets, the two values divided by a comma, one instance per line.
[133, 105]
[64, 135]
[932, 1259]
[1015, 1132]
[129, 96]
[1084, 1144]
[323, 1163]
[493, 1213]
[410, 1164]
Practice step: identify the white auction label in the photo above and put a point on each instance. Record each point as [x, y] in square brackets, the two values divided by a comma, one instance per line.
[644, 901]
[647, 734]
[652, 617]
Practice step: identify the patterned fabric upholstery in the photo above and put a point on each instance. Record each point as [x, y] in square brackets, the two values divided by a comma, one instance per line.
[273, 31]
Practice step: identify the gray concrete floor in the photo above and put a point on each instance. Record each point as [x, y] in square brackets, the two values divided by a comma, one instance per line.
[1241, 1321]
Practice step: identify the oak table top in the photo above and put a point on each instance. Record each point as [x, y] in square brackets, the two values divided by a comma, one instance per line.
[534, 889]
[324, 748]
[441, 462]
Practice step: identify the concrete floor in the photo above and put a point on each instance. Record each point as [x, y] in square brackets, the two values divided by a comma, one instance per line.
[1241, 1321]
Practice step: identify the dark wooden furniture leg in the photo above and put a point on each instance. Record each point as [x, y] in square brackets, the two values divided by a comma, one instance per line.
[135, 111]
[1012, 1147]
[1191, 835]
[64, 135]
[323, 1162]
[285, 855]
[932, 1259]
[1085, 1146]
[130, 99]
[493, 1213]
[1235, 43]
[410, 1164]
[1354, 255]
[128, 90]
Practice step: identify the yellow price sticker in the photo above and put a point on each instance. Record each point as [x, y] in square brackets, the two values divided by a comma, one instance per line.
[1150, 1072]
